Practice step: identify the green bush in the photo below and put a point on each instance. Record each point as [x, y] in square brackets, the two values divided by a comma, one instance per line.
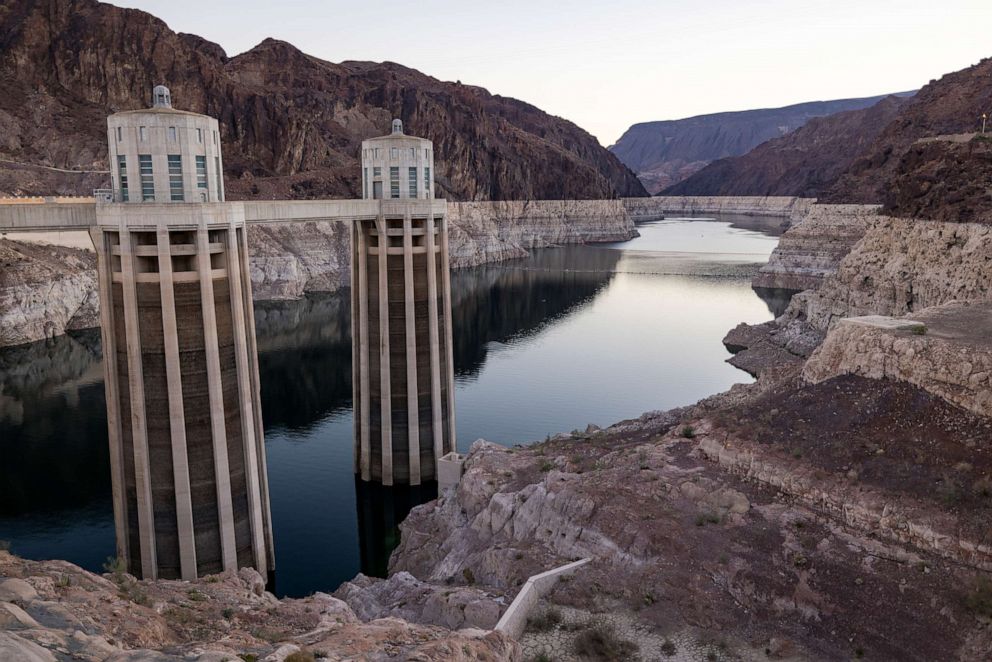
[688, 432]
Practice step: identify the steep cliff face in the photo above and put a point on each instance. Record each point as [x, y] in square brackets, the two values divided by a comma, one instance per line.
[788, 207]
[292, 124]
[495, 231]
[804, 163]
[902, 266]
[44, 291]
[813, 248]
[951, 105]
[665, 153]
[943, 179]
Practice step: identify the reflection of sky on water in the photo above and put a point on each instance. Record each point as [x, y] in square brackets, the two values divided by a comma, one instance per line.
[569, 336]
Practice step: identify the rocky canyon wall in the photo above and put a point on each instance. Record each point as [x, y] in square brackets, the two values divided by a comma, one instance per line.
[901, 266]
[814, 246]
[789, 207]
[46, 290]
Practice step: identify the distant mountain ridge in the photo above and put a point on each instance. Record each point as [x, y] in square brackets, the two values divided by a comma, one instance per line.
[663, 153]
[804, 163]
[909, 154]
[292, 124]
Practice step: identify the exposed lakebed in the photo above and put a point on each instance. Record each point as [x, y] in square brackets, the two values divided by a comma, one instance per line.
[569, 336]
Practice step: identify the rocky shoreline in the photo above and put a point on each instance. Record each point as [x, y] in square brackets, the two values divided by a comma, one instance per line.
[836, 508]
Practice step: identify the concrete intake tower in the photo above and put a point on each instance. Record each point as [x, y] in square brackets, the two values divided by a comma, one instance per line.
[401, 317]
[181, 374]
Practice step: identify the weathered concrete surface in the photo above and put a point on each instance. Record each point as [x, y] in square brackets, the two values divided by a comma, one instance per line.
[90, 617]
[945, 350]
[814, 246]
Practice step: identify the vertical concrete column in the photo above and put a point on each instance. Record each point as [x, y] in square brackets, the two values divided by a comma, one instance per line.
[111, 388]
[386, 405]
[364, 405]
[177, 416]
[245, 398]
[433, 336]
[139, 429]
[225, 508]
[448, 334]
[356, 392]
[412, 403]
[244, 265]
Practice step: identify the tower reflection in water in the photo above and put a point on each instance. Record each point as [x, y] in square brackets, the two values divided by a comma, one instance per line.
[380, 510]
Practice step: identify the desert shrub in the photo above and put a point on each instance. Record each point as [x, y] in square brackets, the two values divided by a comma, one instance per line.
[546, 620]
[668, 648]
[602, 643]
[300, 656]
[688, 432]
[979, 600]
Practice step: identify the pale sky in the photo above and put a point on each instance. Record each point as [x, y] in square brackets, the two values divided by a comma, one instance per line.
[608, 64]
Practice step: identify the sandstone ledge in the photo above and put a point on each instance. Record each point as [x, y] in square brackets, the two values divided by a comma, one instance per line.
[945, 350]
[813, 248]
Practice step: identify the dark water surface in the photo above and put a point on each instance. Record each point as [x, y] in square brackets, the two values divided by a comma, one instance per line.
[569, 336]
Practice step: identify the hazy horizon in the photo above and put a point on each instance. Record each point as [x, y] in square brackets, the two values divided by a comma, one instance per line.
[606, 68]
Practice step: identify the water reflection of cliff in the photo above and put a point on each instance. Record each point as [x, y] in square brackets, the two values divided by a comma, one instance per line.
[305, 346]
[380, 511]
[304, 359]
[499, 303]
[53, 424]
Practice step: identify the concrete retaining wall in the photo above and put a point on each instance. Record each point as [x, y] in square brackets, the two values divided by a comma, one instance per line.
[514, 619]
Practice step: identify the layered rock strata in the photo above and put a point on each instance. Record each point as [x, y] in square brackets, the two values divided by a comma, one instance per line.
[945, 350]
[901, 266]
[789, 207]
[495, 231]
[813, 247]
[45, 290]
[53, 610]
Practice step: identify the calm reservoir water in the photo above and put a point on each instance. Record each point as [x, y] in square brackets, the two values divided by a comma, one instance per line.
[569, 336]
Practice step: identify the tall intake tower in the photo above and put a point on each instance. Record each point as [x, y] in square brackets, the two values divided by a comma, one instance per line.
[401, 317]
[181, 372]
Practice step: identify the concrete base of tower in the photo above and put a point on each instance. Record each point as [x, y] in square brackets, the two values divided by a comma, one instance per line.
[402, 355]
[181, 377]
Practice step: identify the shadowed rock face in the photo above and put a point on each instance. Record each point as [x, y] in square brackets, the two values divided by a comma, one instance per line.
[943, 180]
[667, 152]
[803, 163]
[292, 124]
[953, 104]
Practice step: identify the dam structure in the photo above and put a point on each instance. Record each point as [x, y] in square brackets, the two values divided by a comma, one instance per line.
[187, 453]
[402, 369]
[181, 374]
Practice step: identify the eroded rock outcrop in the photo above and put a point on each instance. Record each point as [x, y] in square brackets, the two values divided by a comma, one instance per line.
[901, 266]
[814, 246]
[789, 207]
[495, 231]
[45, 290]
[54, 610]
[945, 350]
